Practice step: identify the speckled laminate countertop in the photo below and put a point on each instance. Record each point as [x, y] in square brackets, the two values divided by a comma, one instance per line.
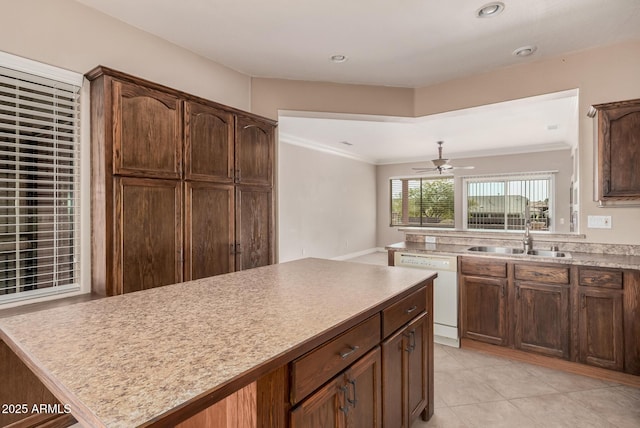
[124, 360]
[618, 261]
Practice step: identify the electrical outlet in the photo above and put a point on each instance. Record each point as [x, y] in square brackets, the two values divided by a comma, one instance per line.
[599, 222]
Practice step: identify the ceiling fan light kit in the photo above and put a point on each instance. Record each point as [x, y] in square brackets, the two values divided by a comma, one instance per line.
[441, 164]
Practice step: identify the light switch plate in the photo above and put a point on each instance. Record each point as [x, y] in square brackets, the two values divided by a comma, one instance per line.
[430, 239]
[599, 222]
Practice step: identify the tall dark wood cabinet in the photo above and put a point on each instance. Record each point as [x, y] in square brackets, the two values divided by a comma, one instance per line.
[182, 187]
[618, 150]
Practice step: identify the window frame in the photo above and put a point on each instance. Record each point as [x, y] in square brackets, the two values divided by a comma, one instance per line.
[550, 175]
[81, 227]
[422, 178]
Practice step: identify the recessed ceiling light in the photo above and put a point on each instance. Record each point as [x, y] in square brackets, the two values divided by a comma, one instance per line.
[490, 9]
[525, 51]
[338, 58]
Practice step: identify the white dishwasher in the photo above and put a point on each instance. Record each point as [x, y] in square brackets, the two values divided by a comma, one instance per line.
[445, 292]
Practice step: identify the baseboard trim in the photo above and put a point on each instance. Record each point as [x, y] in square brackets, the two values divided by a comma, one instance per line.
[552, 363]
[359, 254]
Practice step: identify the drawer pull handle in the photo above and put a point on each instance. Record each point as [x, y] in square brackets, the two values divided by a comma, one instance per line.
[411, 309]
[353, 349]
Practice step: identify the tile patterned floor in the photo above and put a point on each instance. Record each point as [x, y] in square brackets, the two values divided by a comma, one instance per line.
[473, 389]
[478, 390]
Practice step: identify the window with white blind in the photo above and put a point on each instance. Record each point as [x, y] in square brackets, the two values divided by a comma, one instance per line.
[499, 202]
[426, 202]
[39, 184]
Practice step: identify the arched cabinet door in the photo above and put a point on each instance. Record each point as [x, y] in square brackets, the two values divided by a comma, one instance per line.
[147, 132]
[254, 152]
[208, 149]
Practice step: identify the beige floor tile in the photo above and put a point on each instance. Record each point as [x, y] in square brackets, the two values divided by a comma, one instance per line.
[442, 418]
[563, 381]
[470, 359]
[499, 414]
[619, 406]
[463, 387]
[559, 411]
[513, 381]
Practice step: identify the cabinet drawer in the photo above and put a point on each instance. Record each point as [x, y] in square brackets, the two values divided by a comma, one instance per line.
[546, 274]
[318, 366]
[604, 278]
[483, 267]
[400, 313]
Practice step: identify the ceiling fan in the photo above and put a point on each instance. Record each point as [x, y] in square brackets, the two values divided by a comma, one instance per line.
[440, 164]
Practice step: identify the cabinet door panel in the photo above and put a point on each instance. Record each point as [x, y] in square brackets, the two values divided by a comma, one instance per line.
[147, 132]
[323, 408]
[209, 230]
[600, 331]
[364, 383]
[208, 143]
[148, 233]
[483, 309]
[417, 356]
[394, 411]
[254, 152]
[542, 319]
[254, 227]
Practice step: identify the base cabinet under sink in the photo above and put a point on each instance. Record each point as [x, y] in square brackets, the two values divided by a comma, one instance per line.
[577, 313]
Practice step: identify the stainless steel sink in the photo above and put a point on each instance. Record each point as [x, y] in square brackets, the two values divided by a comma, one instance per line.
[546, 253]
[508, 250]
[499, 250]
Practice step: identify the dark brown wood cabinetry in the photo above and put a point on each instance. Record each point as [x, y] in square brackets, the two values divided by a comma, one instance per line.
[483, 300]
[351, 399]
[389, 386]
[541, 309]
[148, 233]
[209, 229]
[405, 373]
[182, 186]
[600, 318]
[577, 313]
[618, 150]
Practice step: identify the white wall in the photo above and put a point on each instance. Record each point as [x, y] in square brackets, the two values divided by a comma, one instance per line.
[558, 160]
[69, 35]
[326, 204]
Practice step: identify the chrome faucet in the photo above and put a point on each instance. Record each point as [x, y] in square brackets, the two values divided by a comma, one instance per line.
[527, 240]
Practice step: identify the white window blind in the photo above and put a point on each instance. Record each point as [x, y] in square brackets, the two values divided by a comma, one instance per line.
[39, 185]
[499, 202]
[426, 202]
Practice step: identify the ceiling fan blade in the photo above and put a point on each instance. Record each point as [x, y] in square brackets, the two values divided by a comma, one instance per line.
[424, 169]
[463, 167]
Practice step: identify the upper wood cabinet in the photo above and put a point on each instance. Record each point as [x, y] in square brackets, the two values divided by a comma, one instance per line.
[209, 145]
[181, 186]
[254, 152]
[618, 150]
[147, 132]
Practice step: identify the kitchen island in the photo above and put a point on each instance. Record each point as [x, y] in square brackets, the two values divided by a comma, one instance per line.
[160, 356]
